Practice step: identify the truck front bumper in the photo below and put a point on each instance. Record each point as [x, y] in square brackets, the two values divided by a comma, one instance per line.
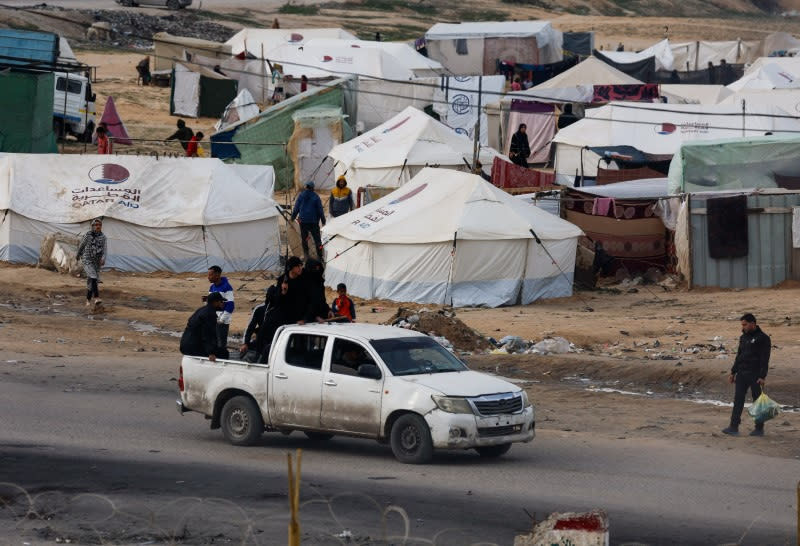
[465, 431]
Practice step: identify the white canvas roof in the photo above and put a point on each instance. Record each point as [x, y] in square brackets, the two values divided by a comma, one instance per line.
[648, 188]
[330, 59]
[542, 30]
[405, 55]
[678, 93]
[592, 71]
[144, 191]
[411, 137]
[240, 109]
[787, 100]
[438, 203]
[269, 38]
[661, 51]
[451, 237]
[768, 76]
[697, 55]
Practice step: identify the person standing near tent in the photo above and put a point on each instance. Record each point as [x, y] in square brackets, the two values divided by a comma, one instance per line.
[220, 284]
[183, 135]
[749, 371]
[92, 252]
[341, 200]
[143, 69]
[520, 149]
[193, 148]
[712, 74]
[308, 207]
[103, 142]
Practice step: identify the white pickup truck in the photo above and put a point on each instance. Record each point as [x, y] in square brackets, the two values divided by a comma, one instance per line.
[378, 382]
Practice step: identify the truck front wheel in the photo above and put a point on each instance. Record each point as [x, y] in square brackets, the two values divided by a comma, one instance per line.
[411, 440]
[241, 421]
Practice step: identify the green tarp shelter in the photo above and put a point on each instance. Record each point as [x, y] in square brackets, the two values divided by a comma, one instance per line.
[736, 164]
[26, 112]
[200, 92]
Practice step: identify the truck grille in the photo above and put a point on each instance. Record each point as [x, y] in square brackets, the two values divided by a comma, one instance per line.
[499, 431]
[499, 406]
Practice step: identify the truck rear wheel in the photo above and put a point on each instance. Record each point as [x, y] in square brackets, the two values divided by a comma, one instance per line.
[411, 440]
[492, 452]
[173, 4]
[241, 421]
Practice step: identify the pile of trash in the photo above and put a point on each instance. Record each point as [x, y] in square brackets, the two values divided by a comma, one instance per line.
[443, 326]
[548, 346]
[655, 350]
[624, 282]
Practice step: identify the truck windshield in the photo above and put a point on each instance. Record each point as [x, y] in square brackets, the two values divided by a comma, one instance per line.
[416, 355]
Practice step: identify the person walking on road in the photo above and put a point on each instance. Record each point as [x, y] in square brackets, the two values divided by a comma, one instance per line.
[183, 135]
[308, 207]
[92, 252]
[520, 148]
[749, 371]
[200, 336]
[341, 201]
[221, 285]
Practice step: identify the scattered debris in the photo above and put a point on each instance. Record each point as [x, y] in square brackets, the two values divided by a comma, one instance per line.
[584, 529]
[554, 345]
[442, 325]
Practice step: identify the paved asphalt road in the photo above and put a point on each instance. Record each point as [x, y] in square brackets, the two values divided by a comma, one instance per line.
[157, 474]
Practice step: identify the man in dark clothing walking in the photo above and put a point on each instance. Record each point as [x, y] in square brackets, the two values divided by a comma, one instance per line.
[313, 276]
[309, 207]
[183, 135]
[200, 336]
[749, 371]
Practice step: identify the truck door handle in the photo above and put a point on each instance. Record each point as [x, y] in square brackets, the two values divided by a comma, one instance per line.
[281, 375]
[330, 383]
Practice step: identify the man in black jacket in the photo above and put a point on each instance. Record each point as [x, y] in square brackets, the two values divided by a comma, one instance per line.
[200, 336]
[749, 371]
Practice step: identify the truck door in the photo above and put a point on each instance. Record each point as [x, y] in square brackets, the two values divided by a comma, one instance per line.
[351, 403]
[296, 386]
[69, 102]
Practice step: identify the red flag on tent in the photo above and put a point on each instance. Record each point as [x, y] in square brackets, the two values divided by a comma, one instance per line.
[115, 125]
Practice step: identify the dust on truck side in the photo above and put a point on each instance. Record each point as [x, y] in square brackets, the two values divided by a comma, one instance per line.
[377, 382]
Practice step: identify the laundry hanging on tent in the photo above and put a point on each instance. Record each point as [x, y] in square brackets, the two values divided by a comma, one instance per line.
[727, 227]
[114, 123]
[602, 205]
[625, 92]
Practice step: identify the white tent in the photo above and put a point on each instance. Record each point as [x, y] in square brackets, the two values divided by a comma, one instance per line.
[767, 76]
[168, 214]
[262, 40]
[679, 93]
[451, 238]
[697, 55]
[662, 52]
[658, 129]
[403, 54]
[472, 49]
[392, 153]
[592, 71]
[240, 109]
[787, 100]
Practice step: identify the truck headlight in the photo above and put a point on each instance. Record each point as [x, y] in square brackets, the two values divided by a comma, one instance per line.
[452, 404]
[525, 402]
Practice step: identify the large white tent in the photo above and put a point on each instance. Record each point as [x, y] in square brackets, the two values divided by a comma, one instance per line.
[259, 41]
[159, 214]
[658, 129]
[392, 153]
[403, 54]
[451, 238]
[768, 76]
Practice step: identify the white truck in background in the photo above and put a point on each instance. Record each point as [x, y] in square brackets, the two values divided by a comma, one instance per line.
[73, 106]
[387, 384]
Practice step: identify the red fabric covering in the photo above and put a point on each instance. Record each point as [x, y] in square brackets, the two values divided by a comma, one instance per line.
[636, 92]
[114, 124]
[507, 175]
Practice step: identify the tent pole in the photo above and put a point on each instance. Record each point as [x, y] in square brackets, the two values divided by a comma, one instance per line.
[450, 274]
[477, 141]
[744, 118]
[264, 76]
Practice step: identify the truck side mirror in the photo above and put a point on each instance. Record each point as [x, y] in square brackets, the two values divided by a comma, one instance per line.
[370, 371]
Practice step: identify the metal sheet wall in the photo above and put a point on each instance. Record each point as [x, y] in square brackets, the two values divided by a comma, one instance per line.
[770, 256]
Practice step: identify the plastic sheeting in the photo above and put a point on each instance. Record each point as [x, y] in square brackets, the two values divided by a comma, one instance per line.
[642, 69]
[241, 109]
[185, 92]
[379, 100]
[541, 128]
[456, 101]
[316, 131]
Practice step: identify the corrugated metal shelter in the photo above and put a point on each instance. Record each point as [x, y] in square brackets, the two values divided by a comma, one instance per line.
[770, 259]
[23, 47]
[26, 112]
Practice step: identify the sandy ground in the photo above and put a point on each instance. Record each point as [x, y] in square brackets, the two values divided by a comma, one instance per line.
[46, 332]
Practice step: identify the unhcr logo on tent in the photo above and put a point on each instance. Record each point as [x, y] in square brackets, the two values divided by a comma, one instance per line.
[666, 128]
[109, 173]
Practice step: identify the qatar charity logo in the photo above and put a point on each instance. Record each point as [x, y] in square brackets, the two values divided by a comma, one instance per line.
[109, 173]
[666, 128]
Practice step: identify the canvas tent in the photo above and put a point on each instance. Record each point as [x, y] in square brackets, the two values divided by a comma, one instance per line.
[473, 49]
[170, 49]
[451, 238]
[394, 152]
[258, 41]
[691, 56]
[677, 93]
[661, 52]
[240, 109]
[168, 214]
[590, 72]
[404, 55]
[658, 129]
[200, 92]
[767, 76]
